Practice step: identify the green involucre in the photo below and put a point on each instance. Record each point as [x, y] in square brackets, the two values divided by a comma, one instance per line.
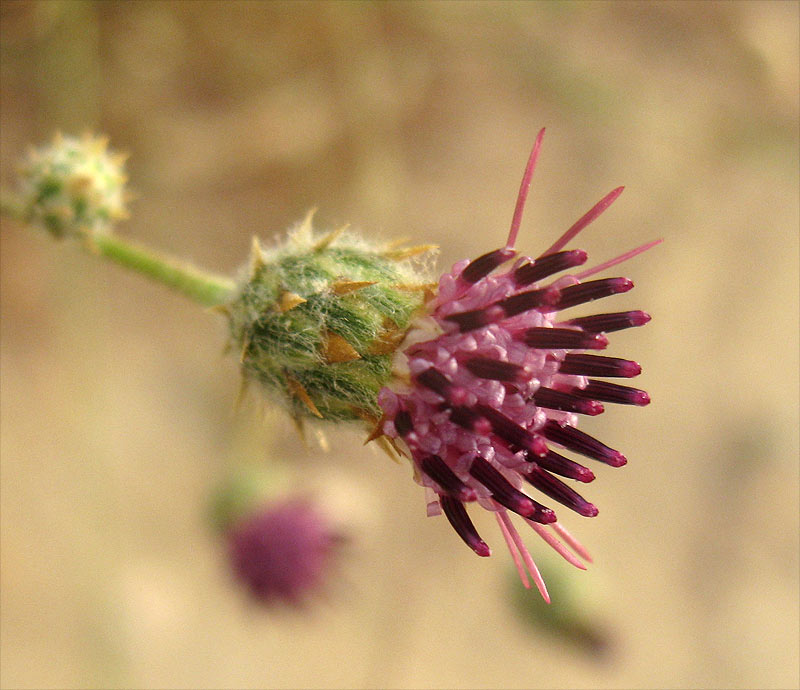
[288, 349]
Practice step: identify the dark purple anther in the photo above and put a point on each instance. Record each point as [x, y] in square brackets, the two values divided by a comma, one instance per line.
[436, 381]
[608, 323]
[559, 491]
[568, 402]
[614, 393]
[597, 365]
[402, 422]
[547, 266]
[438, 470]
[506, 495]
[507, 429]
[505, 308]
[470, 320]
[467, 418]
[592, 290]
[494, 369]
[562, 339]
[456, 513]
[580, 442]
[516, 304]
[558, 464]
[484, 265]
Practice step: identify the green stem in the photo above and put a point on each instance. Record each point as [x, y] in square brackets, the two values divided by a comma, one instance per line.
[202, 287]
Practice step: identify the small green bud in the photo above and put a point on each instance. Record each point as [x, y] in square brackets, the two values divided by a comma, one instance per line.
[74, 187]
[318, 318]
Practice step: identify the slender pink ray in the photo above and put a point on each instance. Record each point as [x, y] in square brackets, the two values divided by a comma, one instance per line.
[523, 191]
[618, 260]
[526, 556]
[574, 544]
[584, 220]
[513, 549]
[552, 541]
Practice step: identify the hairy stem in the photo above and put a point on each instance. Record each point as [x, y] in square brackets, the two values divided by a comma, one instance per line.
[200, 286]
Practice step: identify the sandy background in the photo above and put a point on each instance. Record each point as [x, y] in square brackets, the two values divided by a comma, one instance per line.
[405, 120]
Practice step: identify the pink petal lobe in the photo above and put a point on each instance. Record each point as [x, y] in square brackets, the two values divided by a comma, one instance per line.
[512, 549]
[584, 220]
[526, 556]
[574, 544]
[553, 542]
[618, 260]
[523, 190]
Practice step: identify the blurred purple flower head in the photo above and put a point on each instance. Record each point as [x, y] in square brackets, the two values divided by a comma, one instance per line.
[496, 377]
[283, 551]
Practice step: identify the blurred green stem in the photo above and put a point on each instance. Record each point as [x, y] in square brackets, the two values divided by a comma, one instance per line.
[202, 287]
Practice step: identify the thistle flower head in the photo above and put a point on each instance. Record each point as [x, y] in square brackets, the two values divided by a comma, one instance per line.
[317, 318]
[494, 378]
[74, 186]
[283, 551]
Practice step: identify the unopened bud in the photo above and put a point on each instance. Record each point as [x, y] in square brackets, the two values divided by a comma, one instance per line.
[317, 319]
[74, 186]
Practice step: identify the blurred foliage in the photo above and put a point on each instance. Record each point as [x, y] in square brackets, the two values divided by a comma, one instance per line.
[568, 618]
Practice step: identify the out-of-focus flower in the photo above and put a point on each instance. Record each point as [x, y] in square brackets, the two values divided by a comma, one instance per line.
[283, 550]
[74, 186]
[496, 376]
[281, 545]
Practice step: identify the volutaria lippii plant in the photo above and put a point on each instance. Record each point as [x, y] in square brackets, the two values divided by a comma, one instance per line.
[478, 379]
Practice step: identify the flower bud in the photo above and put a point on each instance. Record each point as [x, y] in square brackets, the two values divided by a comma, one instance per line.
[74, 186]
[317, 318]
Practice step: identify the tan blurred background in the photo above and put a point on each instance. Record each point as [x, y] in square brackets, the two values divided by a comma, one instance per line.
[406, 119]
